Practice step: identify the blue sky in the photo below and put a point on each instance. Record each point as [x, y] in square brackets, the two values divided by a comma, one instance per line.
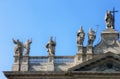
[40, 19]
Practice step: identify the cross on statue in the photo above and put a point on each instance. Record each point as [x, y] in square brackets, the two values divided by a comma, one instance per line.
[113, 12]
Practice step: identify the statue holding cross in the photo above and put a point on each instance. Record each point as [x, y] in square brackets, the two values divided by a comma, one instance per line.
[110, 18]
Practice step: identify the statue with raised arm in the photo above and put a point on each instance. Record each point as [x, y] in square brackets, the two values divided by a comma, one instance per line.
[51, 47]
[91, 37]
[109, 20]
[18, 47]
[80, 36]
[27, 47]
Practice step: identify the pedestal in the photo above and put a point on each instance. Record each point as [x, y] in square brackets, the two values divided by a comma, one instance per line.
[25, 63]
[50, 65]
[89, 54]
[16, 65]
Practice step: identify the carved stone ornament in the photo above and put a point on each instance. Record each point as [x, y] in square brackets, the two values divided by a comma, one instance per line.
[110, 42]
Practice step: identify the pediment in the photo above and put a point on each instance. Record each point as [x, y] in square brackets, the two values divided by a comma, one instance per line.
[106, 62]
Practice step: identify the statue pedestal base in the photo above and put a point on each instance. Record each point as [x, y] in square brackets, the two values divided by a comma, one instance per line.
[15, 67]
[24, 63]
[50, 67]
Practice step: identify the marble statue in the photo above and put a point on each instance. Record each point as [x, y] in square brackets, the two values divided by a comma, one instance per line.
[91, 36]
[27, 47]
[109, 20]
[51, 47]
[18, 47]
[80, 36]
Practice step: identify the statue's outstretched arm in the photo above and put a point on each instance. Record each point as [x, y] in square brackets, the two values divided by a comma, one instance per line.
[14, 41]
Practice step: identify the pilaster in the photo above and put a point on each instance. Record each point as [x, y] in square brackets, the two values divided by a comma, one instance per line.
[25, 63]
[79, 58]
[16, 65]
[89, 53]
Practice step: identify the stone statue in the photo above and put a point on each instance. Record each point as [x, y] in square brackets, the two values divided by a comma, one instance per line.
[109, 19]
[18, 47]
[91, 36]
[80, 36]
[27, 47]
[51, 47]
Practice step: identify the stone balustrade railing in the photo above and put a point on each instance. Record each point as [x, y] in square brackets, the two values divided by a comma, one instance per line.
[45, 59]
[38, 60]
[63, 59]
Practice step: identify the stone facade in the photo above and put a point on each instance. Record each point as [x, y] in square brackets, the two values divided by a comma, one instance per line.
[101, 61]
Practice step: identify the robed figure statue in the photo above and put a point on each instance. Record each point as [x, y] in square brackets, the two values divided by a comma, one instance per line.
[109, 20]
[80, 36]
[51, 47]
[27, 47]
[91, 37]
[19, 47]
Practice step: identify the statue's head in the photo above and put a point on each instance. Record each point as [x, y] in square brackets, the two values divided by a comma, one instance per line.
[92, 37]
[80, 32]
[17, 40]
[108, 12]
[51, 39]
[28, 40]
